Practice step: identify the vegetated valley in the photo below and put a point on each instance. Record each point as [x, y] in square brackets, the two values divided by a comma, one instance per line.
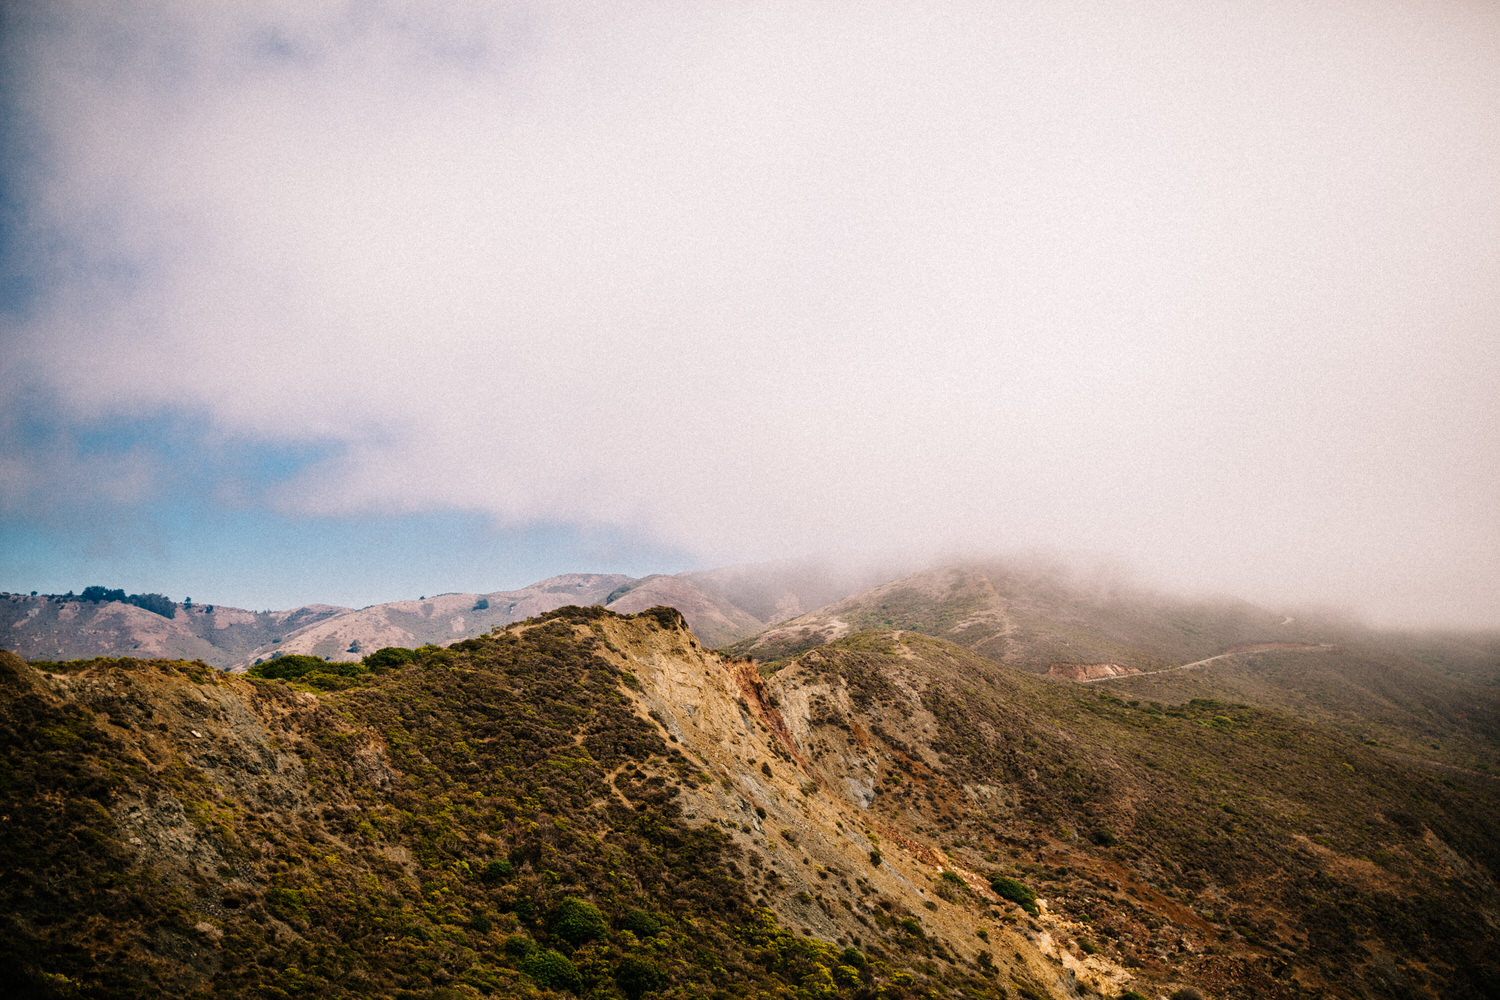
[594, 804]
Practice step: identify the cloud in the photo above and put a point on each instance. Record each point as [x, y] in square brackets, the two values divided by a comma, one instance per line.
[1211, 291]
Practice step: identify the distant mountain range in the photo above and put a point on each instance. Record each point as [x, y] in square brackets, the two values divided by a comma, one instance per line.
[721, 606]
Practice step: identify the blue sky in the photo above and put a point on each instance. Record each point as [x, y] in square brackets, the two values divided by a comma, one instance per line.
[358, 301]
[203, 522]
[279, 562]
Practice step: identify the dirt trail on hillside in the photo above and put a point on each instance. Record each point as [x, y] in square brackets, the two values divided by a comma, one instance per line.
[1254, 647]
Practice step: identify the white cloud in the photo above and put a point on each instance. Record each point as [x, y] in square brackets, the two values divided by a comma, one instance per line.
[1213, 291]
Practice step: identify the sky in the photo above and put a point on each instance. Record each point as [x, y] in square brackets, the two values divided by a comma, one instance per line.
[360, 301]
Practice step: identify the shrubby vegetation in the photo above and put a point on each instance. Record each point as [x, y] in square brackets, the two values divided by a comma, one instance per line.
[313, 671]
[1066, 786]
[156, 603]
[388, 658]
[1016, 892]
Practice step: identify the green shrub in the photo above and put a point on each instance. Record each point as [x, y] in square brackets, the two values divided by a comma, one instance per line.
[553, 970]
[667, 617]
[637, 977]
[389, 658]
[518, 946]
[578, 921]
[297, 667]
[1016, 892]
[641, 924]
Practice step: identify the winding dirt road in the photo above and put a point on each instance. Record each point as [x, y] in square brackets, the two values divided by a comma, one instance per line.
[1259, 647]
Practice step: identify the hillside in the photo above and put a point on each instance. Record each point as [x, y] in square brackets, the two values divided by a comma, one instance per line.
[52, 627]
[596, 804]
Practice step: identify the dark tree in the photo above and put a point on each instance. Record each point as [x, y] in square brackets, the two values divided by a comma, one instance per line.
[159, 604]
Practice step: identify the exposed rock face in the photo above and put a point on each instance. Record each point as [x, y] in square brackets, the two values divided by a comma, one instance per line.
[792, 784]
[1089, 671]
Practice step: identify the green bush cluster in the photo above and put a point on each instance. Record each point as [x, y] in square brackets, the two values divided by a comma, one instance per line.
[553, 970]
[1016, 892]
[313, 671]
[497, 871]
[389, 658]
[641, 924]
[579, 921]
[159, 604]
[638, 976]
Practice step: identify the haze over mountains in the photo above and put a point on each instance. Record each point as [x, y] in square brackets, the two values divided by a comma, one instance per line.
[1034, 613]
